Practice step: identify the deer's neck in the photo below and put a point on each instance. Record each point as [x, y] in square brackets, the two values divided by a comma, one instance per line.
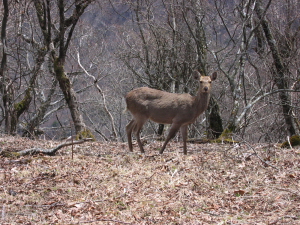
[201, 102]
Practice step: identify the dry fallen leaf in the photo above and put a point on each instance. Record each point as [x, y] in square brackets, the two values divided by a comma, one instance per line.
[105, 182]
[239, 193]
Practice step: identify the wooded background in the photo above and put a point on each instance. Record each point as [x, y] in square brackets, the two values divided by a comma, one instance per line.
[67, 64]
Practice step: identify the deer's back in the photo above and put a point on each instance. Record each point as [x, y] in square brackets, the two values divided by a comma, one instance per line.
[159, 106]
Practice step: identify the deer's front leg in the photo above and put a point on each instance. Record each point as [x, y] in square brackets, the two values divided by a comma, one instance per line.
[183, 131]
[173, 130]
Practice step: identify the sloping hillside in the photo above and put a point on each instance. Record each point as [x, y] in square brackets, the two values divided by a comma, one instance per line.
[104, 184]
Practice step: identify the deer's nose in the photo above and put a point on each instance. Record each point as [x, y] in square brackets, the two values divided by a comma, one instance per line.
[205, 88]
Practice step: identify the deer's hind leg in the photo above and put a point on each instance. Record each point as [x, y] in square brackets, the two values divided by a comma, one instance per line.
[135, 125]
[130, 126]
[137, 129]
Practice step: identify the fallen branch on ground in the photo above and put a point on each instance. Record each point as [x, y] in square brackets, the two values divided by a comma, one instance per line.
[264, 161]
[50, 152]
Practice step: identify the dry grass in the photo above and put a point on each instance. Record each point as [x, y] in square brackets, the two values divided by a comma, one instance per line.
[104, 184]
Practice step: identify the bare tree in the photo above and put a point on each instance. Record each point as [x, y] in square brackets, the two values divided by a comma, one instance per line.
[168, 43]
[60, 38]
[241, 49]
[5, 84]
[15, 106]
[279, 68]
[253, 44]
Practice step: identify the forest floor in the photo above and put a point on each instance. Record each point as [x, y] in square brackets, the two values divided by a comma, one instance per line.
[102, 183]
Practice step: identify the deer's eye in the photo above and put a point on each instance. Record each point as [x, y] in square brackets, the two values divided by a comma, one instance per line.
[201, 81]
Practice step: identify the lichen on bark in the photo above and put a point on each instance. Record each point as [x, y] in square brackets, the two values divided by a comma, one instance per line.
[63, 80]
[293, 141]
[85, 133]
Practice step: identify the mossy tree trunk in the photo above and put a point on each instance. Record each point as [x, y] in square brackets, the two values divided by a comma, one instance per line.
[215, 128]
[23, 105]
[32, 127]
[5, 89]
[69, 95]
[58, 44]
[14, 111]
[279, 70]
[62, 78]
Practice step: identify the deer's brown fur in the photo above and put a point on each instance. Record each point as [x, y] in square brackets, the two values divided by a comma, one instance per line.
[162, 107]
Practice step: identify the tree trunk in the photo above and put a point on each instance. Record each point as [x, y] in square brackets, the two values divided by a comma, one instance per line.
[214, 119]
[58, 43]
[32, 125]
[23, 105]
[5, 89]
[278, 76]
[215, 126]
[160, 129]
[69, 94]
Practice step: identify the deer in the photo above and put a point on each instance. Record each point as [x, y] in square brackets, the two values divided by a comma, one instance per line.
[179, 110]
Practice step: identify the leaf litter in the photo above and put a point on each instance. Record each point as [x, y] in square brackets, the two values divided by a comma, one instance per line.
[105, 184]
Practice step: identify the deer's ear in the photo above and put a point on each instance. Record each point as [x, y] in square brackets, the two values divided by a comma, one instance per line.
[213, 76]
[196, 75]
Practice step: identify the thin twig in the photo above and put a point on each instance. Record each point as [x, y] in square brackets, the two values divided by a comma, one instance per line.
[260, 157]
[72, 141]
[289, 141]
[287, 190]
[3, 213]
[107, 220]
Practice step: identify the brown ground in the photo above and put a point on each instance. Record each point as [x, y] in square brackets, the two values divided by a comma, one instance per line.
[104, 184]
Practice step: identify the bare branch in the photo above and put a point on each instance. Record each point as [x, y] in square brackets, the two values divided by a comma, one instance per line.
[51, 151]
[102, 94]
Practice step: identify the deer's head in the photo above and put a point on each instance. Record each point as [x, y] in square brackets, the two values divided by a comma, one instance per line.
[204, 81]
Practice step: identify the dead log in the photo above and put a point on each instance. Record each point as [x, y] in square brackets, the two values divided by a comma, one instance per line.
[34, 151]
